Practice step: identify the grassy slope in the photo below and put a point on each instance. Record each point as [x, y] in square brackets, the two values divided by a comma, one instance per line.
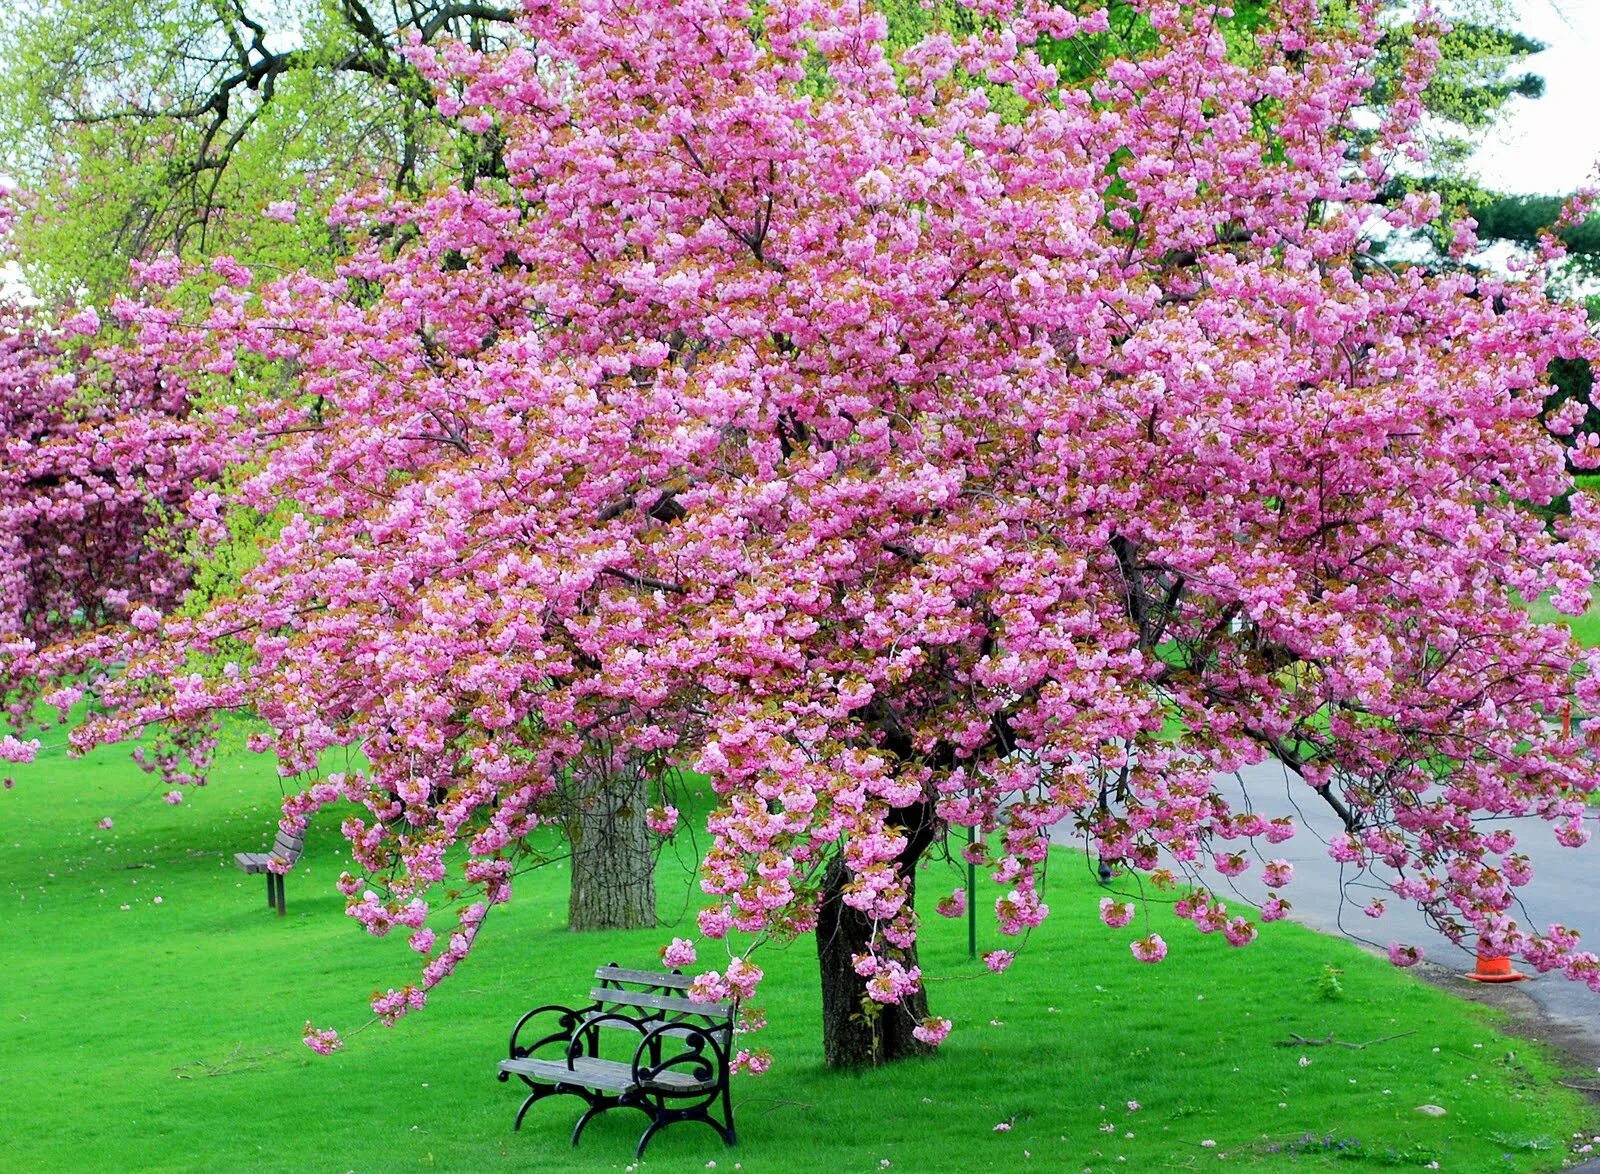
[166, 1036]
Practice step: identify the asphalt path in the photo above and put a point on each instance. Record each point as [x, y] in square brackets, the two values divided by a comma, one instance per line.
[1330, 897]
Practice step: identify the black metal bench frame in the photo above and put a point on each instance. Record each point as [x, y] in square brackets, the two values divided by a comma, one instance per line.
[286, 848]
[680, 1065]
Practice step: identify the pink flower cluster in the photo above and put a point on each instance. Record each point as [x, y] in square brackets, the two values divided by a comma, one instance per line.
[324, 1042]
[932, 1031]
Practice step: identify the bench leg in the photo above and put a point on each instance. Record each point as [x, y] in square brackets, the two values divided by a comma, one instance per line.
[596, 1107]
[599, 1103]
[729, 1137]
[650, 1131]
[280, 892]
[661, 1117]
[271, 900]
[538, 1094]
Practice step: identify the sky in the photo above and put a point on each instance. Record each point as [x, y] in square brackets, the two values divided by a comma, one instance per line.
[1551, 144]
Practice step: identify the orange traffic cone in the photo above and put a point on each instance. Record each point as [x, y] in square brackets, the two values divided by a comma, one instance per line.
[1493, 968]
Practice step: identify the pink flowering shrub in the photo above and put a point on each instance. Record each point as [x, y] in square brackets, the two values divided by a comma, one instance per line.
[909, 441]
[104, 463]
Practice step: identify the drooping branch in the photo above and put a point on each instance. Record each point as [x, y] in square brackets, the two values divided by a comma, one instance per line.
[1297, 763]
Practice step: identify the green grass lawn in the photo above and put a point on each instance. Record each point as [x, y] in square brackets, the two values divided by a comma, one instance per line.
[1585, 627]
[138, 1035]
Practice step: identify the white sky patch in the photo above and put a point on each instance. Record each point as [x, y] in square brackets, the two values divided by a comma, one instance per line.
[1550, 145]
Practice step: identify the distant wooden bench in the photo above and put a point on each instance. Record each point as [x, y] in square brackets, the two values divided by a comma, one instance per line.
[678, 1052]
[286, 848]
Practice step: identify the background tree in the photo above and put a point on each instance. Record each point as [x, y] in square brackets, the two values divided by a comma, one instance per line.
[102, 456]
[156, 126]
[195, 128]
[152, 127]
[908, 444]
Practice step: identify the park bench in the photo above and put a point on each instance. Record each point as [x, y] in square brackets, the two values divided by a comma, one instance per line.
[677, 1052]
[286, 848]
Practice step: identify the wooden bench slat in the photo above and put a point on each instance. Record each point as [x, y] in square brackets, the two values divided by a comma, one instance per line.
[660, 1002]
[656, 978]
[283, 848]
[603, 1019]
[609, 1075]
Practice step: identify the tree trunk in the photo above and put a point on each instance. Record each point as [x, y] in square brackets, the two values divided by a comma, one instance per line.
[857, 1032]
[613, 864]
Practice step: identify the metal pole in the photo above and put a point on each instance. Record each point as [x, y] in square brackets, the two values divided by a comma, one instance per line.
[972, 898]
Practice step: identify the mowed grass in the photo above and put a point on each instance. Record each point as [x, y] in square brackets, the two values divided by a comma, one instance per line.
[144, 1036]
[1585, 628]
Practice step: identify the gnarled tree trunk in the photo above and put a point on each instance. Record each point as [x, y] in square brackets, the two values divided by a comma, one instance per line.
[857, 1032]
[613, 861]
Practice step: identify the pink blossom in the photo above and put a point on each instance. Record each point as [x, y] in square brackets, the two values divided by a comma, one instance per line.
[714, 923]
[1149, 949]
[1403, 956]
[1230, 863]
[1239, 932]
[892, 981]
[1115, 914]
[680, 952]
[998, 960]
[755, 1062]
[324, 1042]
[662, 820]
[954, 905]
[14, 750]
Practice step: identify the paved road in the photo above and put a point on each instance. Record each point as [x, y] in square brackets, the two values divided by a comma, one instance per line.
[1565, 888]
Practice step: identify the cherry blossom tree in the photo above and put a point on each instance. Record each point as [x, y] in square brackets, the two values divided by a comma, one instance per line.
[1009, 428]
[101, 456]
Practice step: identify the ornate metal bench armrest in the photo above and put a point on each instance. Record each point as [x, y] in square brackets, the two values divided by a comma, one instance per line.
[569, 1020]
[700, 1056]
